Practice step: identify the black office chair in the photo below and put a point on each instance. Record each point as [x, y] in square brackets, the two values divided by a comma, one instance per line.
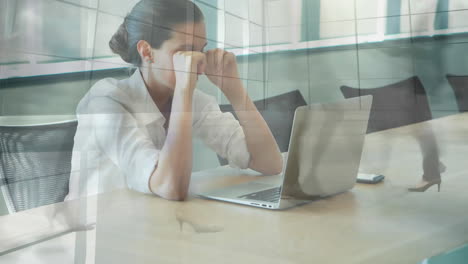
[460, 89]
[398, 104]
[35, 164]
[278, 112]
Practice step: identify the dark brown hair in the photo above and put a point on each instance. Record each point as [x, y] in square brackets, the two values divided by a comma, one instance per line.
[152, 21]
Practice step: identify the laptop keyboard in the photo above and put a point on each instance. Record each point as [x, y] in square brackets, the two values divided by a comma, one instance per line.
[270, 195]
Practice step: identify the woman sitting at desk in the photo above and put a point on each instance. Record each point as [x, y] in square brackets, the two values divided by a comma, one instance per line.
[137, 132]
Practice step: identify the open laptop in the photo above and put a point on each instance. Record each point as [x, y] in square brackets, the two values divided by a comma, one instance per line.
[323, 159]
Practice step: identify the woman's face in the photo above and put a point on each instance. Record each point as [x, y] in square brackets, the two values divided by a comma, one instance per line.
[185, 37]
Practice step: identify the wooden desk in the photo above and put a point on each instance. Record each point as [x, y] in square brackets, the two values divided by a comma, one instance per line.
[370, 224]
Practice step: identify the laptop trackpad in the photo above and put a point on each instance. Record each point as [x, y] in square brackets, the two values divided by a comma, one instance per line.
[255, 186]
[240, 189]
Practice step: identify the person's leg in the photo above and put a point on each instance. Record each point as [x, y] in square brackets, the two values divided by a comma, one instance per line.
[432, 167]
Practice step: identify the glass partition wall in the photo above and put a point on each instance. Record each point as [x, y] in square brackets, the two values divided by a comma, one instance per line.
[53, 51]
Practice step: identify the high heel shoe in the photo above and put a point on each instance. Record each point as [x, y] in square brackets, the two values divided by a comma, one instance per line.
[426, 186]
[423, 188]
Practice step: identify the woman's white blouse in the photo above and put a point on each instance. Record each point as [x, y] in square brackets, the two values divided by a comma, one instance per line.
[121, 133]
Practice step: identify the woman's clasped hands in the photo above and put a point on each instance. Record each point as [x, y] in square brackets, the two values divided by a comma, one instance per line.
[218, 65]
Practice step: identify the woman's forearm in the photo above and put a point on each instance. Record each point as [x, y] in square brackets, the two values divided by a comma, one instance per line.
[171, 178]
[265, 156]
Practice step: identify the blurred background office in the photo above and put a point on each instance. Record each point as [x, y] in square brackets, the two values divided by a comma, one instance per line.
[53, 51]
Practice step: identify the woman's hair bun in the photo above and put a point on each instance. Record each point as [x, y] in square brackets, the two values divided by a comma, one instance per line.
[119, 43]
[152, 21]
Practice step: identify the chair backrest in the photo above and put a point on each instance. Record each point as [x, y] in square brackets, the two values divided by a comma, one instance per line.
[394, 105]
[35, 164]
[278, 112]
[460, 89]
